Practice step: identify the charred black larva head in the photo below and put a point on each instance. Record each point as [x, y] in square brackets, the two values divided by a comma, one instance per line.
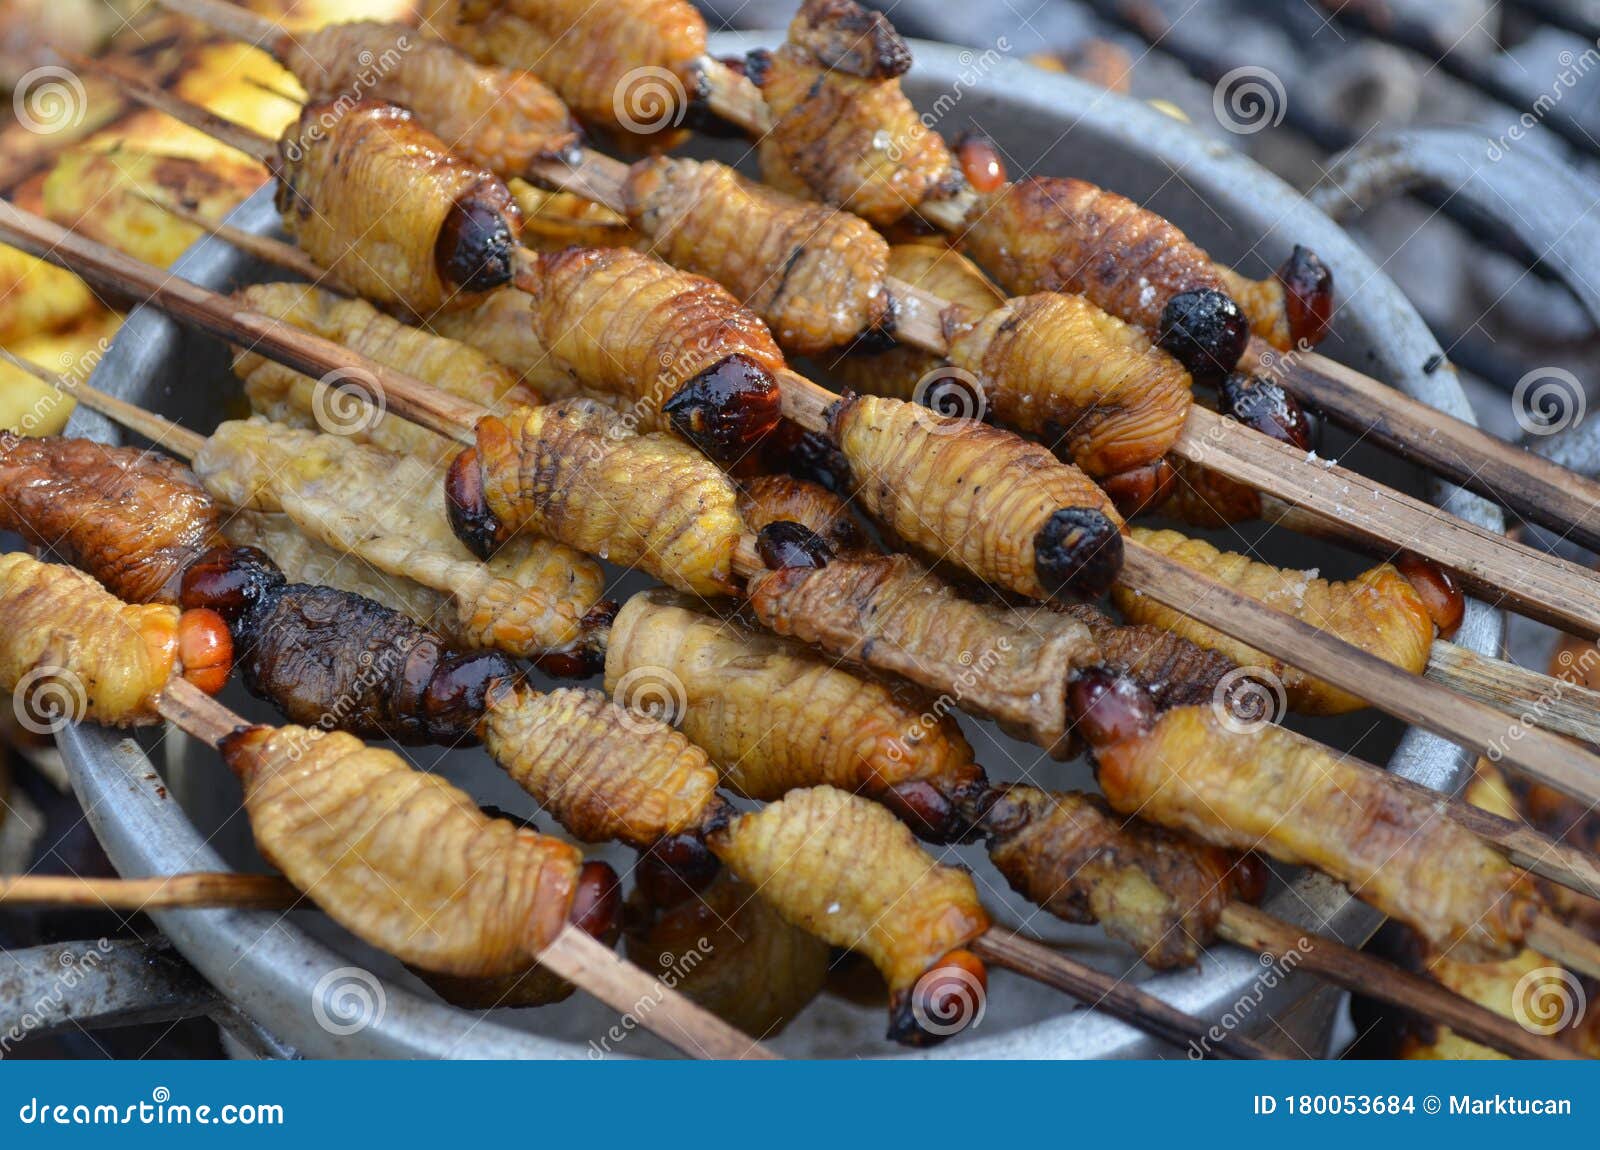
[232, 581]
[474, 251]
[1307, 295]
[1108, 708]
[727, 409]
[757, 66]
[1267, 407]
[676, 868]
[807, 454]
[457, 693]
[1079, 550]
[1205, 331]
[784, 543]
[466, 505]
[880, 337]
[597, 901]
[1140, 489]
[944, 1001]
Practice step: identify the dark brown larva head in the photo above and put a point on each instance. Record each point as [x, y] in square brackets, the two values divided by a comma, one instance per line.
[474, 251]
[1108, 708]
[1440, 593]
[727, 409]
[809, 455]
[457, 693]
[232, 581]
[1307, 295]
[947, 999]
[1141, 489]
[1205, 331]
[466, 505]
[676, 868]
[788, 544]
[1250, 876]
[1078, 551]
[1267, 407]
[597, 901]
[981, 163]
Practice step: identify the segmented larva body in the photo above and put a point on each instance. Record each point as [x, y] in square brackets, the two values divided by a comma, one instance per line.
[900, 909]
[814, 274]
[400, 858]
[573, 472]
[1264, 301]
[1207, 498]
[1058, 367]
[285, 396]
[960, 490]
[1174, 670]
[500, 118]
[602, 772]
[1283, 794]
[1378, 611]
[74, 651]
[629, 325]
[390, 210]
[500, 324]
[773, 717]
[1069, 854]
[53, 492]
[768, 499]
[619, 65]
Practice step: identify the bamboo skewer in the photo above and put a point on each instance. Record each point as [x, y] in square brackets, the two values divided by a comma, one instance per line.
[171, 892]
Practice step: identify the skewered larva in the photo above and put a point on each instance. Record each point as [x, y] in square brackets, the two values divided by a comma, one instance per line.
[285, 396]
[1069, 854]
[767, 499]
[852, 138]
[573, 472]
[773, 716]
[1174, 670]
[402, 859]
[74, 651]
[1054, 234]
[1292, 308]
[677, 344]
[388, 208]
[1002, 508]
[620, 66]
[52, 488]
[604, 773]
[1378, 611]
[1205, 498]
[500, 324]
[499, 118]
[1058, 367]
[532, 599]
[910, 915]
[1288, 796]
[814, 274]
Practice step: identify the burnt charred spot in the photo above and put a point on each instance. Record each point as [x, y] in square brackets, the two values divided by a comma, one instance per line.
[698, 115]
[475, 246]
[1109, 708]
[232, 581]
[726, 409]
[786, 544]
[757, 66]
[944, 1001]
[1265, 406]
[1307, 295]
[1205, 331]
[844, 36]
[467, 506]
[880, 337]
[1079, 550]
[808, 455]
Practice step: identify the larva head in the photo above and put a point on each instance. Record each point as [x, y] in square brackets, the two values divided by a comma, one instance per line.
[1077, 551]
[466, 506]
[456, 691]
[727, 409]
[597, 901]
[1266, 407]
[1440, 593]
[1204, 330]
[675, 868]
[477, 242]
[1307, 295]
[1108, 708]
[948, 998]
[232, 581]
[1141, 489]
[786, 543]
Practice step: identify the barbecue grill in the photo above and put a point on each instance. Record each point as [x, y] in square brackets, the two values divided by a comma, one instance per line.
[285, 982]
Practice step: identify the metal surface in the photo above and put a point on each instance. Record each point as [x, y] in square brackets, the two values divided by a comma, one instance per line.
[96, 983]
[277, 969]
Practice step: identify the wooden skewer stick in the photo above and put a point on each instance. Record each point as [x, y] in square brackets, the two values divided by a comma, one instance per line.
[573, 956]
[1556, 940]
[171, 892]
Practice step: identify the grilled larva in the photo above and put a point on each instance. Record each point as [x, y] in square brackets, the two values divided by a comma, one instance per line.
[1174, 670]
[1378, 611]
[444, 228]
[854, 140]
[620, 66]
[999, 507]
[285, 396]
[532, 599]
[905, 912]
[501, 325]
[400, 858]
[53, 492]
[602, 772]
[1058, 367]
[1069, 854]
[772, 716]
[766, 499]
[814, 274]
[1292, 308]
[1205, 498]
[572, 471]
[502, 119]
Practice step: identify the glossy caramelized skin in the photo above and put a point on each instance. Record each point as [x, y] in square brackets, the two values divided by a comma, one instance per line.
[841, 126]
[374, 197]
[814, 274]
[1070, 854]
[573, 472]
[619, 66]
[401, 858]
[1058, 367]
[1378, 611]
[500, 324]
[503, 119]
[1205, 498]
[131, 518]
[602, 772]
[1001, 508]
[766, 499]
[773, 716]
[1173, 669]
